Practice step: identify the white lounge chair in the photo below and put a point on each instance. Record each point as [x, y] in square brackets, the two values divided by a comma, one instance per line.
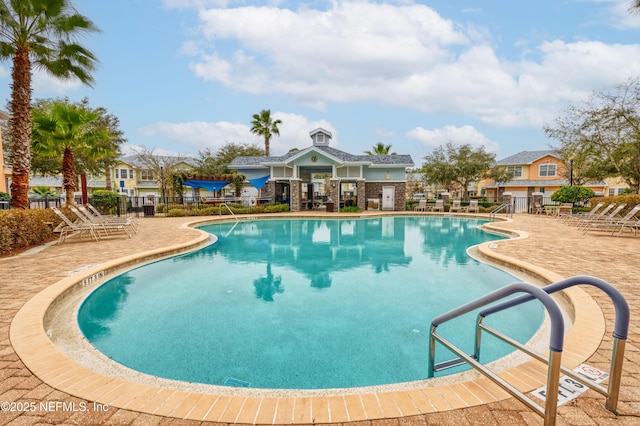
[616, 224]
[455, 206]
[614, 215]
[439, 207]
[584, 215]
[472, 207]
[106, 227]
[68, 227]
[96, 217]
[422, 206]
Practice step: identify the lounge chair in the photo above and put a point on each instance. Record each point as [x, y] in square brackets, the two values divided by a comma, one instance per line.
[422, 206]
[472, 207]
[96, 217]
[583, 215]
[455, 206]
[576, 220]
[68, 227]
[439, 207]
[106, 227]
[614, 215]
[615, 224]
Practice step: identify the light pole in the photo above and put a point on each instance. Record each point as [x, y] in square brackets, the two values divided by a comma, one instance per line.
[571, 171]
[162, 183]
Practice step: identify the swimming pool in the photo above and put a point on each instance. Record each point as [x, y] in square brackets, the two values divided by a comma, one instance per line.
[300, 303]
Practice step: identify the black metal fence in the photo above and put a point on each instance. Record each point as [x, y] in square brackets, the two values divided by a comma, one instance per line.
[152, 205]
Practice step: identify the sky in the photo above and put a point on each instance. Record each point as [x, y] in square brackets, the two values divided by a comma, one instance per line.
[186, 75]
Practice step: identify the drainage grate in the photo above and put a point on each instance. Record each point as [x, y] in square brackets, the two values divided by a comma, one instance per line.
[236, 383]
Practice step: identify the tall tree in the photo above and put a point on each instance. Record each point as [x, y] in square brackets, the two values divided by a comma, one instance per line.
[64, 129]
[603, 135]
[380, 149]
[41, 33]
[459, 166]
[213, 163]
[163, 167]
[264, 125]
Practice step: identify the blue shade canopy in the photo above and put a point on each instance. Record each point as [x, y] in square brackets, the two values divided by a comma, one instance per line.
[259, 182]
[210, 185]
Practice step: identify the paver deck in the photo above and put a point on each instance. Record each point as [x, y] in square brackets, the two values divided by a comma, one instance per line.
[550, 245]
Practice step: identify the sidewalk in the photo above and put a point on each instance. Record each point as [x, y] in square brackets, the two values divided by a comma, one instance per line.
[551, 245]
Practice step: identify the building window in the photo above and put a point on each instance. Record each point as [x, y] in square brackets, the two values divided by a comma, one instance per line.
[547, 170]
[612, 192]
[516, 170]
[124, 174]
[146, 175]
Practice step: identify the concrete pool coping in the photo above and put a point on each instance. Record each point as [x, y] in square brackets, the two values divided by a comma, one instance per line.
[46, 361]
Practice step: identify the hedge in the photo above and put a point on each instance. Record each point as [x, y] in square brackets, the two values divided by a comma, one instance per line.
[20, 229]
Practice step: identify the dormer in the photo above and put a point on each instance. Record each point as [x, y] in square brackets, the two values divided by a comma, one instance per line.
[320, 137]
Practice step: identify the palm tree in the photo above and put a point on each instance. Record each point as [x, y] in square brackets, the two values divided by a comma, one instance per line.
[263, 125]
[380, 149]
[66, 129]
[635, 7]
[40, 33]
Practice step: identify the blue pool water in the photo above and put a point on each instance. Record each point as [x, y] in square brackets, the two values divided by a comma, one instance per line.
[303, 304]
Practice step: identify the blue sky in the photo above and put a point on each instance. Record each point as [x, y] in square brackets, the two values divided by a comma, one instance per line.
[185, 75]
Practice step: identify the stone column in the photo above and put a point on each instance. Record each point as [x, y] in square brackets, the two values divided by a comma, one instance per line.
[296, 195]
[507, 198]
[536, 197]
[334, 192]
[362, 194]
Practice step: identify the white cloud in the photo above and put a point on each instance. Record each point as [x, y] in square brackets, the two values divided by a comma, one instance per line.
[621, 16]
[198, 135]
[403, 55]
[457, 135]
[43, 85]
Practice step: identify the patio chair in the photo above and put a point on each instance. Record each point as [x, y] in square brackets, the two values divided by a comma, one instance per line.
[439, 207]
[107, 227]
[472, 207]
[68, 227]
[537, 208]
[422, 206]
[455, 206]
[565, 209]
[616, 224]
[96, 217]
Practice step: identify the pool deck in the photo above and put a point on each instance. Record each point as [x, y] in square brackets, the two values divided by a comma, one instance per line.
[549, 244]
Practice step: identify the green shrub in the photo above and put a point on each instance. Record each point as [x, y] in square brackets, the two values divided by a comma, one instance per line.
[105, 201]
[350, 209]
[276, 208]
[4, 196]
[20, 229]
[176, 213]
[572, 194]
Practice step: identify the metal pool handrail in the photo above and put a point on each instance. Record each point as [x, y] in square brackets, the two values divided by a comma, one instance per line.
[620, 331]
[555, 346]
[506, 207]
[231, 211]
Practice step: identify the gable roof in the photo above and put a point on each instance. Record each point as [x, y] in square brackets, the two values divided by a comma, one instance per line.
[526, 157]
[372, 160]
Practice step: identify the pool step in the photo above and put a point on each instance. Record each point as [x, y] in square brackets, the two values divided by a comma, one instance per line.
[450, 364]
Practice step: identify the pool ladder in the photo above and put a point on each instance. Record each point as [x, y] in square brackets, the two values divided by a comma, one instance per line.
[553, 362]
